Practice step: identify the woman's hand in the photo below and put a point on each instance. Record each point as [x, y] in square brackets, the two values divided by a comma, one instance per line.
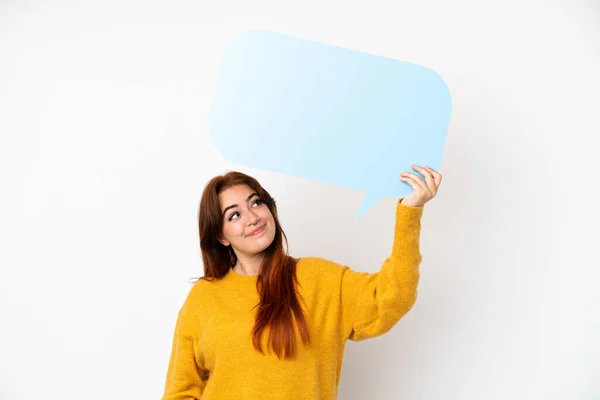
[423, 191]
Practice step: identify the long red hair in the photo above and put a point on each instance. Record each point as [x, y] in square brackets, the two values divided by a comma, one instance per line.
[277, 282]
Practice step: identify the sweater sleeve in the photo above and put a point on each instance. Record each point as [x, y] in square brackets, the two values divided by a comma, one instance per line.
[186, 378]
[373, 303]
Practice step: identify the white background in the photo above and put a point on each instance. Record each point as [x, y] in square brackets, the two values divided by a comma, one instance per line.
[104, 154]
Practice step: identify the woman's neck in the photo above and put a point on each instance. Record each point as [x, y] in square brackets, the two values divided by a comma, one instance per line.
[249, 266]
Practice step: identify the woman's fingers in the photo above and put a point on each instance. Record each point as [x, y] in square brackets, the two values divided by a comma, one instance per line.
[437, 177]
[411, 181]
[424, 188]
[428, 178]
[416, 179]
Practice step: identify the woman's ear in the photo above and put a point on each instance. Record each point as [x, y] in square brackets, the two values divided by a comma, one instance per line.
[223, 241]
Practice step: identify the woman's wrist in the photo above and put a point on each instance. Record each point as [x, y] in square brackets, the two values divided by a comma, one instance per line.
[404, 202]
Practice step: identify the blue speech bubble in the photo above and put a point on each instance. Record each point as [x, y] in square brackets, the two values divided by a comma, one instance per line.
[326, 113]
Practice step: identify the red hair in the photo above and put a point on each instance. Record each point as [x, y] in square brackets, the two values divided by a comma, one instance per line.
[277, 282]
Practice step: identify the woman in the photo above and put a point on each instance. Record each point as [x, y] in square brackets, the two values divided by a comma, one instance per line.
[263, 325]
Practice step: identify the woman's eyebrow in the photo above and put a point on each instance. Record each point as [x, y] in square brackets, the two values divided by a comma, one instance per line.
[235, 205]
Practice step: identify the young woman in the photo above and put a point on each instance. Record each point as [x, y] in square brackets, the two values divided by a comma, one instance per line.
[263, 325]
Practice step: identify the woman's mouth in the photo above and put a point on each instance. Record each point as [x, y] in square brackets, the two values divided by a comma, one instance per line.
[257, 231]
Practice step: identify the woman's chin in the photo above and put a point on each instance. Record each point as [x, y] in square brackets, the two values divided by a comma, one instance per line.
[262, 245]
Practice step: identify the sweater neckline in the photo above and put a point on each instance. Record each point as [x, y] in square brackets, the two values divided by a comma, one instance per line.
[243, 279]
[235, 277]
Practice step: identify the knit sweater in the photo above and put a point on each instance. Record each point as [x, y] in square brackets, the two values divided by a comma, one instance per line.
[213, 357]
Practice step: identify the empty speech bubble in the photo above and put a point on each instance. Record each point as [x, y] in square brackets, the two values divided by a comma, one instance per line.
[327, 113]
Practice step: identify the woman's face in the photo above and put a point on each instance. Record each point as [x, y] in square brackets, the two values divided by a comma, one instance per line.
[243, 212]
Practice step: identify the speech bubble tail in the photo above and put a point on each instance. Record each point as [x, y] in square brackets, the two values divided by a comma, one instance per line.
[368, 202]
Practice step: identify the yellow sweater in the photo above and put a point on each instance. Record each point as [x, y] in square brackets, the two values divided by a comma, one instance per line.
[213, 357]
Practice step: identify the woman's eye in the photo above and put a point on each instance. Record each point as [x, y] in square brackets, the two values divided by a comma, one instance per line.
[255, 201]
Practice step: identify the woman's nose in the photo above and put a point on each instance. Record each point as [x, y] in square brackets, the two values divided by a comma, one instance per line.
[253, 218]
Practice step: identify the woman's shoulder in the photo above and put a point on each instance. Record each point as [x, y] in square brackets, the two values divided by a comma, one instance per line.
[202, 290]
[317, 261]
[315, 266]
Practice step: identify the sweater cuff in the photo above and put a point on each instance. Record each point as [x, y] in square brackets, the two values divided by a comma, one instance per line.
[407, 229]
[399, 206]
